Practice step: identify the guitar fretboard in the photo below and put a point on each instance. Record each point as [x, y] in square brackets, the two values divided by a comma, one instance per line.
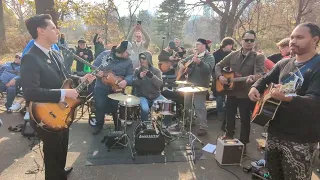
[85, 83]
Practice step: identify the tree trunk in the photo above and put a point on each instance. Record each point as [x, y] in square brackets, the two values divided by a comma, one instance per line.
[223, 27]
[47, 7]
[299, 15]
[2, 29]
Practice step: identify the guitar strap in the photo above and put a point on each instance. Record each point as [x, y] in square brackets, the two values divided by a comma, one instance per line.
[308, 66]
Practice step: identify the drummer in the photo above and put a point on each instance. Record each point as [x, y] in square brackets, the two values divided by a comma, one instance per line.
[147, 80]
[119, 62]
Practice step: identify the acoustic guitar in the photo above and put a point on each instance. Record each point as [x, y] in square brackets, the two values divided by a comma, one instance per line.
[166, 66]
[183, 72]
[267, 107]
[232, 79]
[56, 117]
[108, 78]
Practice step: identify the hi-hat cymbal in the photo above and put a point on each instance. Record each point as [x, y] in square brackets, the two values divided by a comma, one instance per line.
[183, 82]
[193, 89]
[129, 99]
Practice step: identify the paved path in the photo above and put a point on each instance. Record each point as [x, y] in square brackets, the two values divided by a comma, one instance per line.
[16, 158]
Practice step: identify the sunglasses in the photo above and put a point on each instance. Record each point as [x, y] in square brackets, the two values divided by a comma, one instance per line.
[247, 40]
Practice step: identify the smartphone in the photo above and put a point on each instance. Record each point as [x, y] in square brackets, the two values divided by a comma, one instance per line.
[139, 22]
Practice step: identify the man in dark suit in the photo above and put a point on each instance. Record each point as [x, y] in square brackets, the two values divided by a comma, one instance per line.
[42, 75]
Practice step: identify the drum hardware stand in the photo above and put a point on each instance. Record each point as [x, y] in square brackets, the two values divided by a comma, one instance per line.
[127, 140]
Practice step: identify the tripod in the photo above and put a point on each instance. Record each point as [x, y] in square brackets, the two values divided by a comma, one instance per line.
[127, 141]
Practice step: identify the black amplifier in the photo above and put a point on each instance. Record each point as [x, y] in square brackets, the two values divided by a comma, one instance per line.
[148, 141]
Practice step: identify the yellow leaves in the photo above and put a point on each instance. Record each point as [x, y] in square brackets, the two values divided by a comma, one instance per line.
[21, 1]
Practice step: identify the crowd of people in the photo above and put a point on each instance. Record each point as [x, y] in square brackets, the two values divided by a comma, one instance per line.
[292, 135]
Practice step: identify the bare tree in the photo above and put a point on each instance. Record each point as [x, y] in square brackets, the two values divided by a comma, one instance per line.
[21, 10]
[229, 12]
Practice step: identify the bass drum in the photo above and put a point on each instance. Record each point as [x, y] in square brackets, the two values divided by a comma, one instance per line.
[148, 141]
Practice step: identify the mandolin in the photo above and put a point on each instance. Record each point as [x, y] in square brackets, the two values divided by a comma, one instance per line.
[108, 78]
[56, 117]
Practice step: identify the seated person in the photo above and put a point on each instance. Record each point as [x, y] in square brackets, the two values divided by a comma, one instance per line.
[147, 80]
[9, 74]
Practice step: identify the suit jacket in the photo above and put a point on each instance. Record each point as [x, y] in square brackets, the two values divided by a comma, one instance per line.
[41, 80]
[253, 63]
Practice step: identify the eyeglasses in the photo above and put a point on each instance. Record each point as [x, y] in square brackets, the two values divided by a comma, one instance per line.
[143, 58]
[247, 40]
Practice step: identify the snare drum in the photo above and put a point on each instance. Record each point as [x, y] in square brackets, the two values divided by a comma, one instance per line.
[165, 107]
[133, 112]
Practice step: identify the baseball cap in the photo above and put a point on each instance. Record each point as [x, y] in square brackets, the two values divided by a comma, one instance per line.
[172, 45]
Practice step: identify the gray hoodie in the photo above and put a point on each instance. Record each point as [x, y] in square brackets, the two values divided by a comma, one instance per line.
[148, 87]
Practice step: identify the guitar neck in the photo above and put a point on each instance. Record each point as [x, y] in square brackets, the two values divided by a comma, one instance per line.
[85, 83]
[239, 79]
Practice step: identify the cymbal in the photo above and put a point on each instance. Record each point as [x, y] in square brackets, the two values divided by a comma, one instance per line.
[129, 99]
[193, 89]
[183, 82]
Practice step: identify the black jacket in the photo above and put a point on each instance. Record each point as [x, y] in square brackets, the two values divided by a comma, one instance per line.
[298, 120]
[85, 51]
[40, 80]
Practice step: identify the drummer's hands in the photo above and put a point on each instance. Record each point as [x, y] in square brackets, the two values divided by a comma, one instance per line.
[122, 84]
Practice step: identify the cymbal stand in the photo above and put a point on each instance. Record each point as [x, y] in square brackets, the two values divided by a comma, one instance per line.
[192, 138]
[127, 141]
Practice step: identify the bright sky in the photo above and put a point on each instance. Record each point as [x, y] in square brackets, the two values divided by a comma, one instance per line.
[150, 5]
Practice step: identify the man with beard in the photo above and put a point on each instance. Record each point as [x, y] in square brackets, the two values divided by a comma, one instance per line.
[293, 134]
[245, 63]
[85, 53]
[120, 64]
[225, 49]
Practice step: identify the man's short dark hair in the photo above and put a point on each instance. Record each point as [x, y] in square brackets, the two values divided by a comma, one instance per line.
[226, 41]
[313, 28]
[249, 32]
[37, 21]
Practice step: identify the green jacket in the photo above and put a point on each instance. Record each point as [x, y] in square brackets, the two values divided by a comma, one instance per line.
[201, 73]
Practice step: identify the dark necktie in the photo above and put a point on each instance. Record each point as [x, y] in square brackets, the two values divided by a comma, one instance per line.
[57, 65]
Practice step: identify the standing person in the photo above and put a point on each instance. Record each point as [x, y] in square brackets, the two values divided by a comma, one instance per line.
[63, 41]
[9, 80]
[244, 62]
[179, 49]
[293, 134]
[147, 80]
[226, 46]
[42, 75]
[199, 75]
[85, 53]
[169, 55]
[120, 64]
[284, 49]
[98, 45]
[138, 44]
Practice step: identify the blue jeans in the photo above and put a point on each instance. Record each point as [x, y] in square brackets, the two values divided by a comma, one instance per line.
[220, 104]
[11, 94]
[145, 106]
[103, 104]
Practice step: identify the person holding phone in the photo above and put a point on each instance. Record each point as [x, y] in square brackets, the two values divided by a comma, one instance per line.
[138, 44]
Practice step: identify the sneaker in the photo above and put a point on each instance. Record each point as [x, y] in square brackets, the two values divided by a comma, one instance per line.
[26, 116]
[15, 107]
[258, 164]
[9, 111]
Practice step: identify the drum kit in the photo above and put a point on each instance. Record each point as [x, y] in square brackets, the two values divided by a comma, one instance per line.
[149, 137]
